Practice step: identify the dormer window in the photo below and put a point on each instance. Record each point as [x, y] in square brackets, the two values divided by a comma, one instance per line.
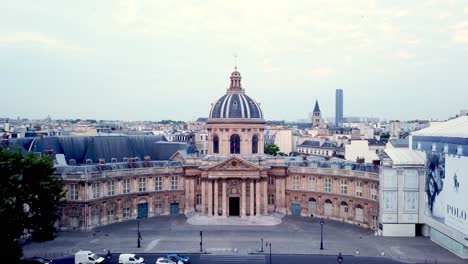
[72, 162]
[113, 160]
[460, 150]
[89, 161]
[125, 159]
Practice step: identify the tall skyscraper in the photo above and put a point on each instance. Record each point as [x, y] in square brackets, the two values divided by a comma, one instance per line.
[339, 107]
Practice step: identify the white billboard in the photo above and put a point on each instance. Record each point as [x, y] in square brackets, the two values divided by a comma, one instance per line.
[447, 190]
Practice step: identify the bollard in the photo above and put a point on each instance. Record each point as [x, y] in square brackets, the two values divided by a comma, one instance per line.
[357, 251]
[383, 253]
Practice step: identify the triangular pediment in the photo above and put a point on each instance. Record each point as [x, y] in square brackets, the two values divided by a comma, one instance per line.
[178, 156]
[234, 164]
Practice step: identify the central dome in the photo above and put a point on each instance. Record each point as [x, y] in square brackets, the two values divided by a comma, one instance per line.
[235, 104]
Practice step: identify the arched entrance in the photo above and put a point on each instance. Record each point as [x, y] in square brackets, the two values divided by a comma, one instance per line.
[312, 205]
[328, 207]
[143, 208]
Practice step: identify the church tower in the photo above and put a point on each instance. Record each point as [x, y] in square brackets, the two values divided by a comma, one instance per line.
[317, 121]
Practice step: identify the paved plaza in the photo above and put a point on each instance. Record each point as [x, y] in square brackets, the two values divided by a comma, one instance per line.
[294, 235]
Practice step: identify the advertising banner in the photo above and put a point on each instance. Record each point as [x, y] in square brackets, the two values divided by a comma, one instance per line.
[447, 190]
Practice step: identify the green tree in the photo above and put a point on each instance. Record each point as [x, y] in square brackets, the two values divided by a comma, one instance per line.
[31, 196]
[271, 149]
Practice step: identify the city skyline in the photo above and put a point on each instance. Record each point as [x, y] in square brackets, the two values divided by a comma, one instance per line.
[153, 61]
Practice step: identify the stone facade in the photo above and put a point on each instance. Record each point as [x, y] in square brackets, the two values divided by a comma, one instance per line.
[235, 179]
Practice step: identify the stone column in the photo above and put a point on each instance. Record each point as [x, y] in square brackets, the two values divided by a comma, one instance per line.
[192, 194]
[210, 197]
[203, 195]
[265, 197]
[187, 194]
[257, 197]
[224, 194]
[216, 198]
[251, 208]
[243, 199]
[283, 195]
[277, 194]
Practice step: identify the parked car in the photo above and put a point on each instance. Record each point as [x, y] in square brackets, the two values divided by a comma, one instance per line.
[166, 261]
[87, 257]
[177, 258]
[131, 259]
[36, 260]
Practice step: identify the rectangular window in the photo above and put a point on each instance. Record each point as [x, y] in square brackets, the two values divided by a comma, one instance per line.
[126, 186]
[271, 199]
[96, 190]
[142, 184]
[296, 182]
[390, 200]
[198, 199]
[158, 183]
[327, 184]
[175, 183]
[344, 186]
[110, 188]
[73, 190]
[373, 191]
[158, 205]
[110, 215]
[312, 183]
[198, 180]
[126, 212]
[271, 180]
[359, 188]
[411, 200]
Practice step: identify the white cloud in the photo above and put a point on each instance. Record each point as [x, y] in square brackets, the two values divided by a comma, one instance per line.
[35, 39]
[413, 41]
[444, 15]
[461, 36]
[403, 54]
[322, 72]
[466, 10]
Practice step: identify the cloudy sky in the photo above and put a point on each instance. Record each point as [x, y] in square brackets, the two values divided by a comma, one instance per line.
[153, 60]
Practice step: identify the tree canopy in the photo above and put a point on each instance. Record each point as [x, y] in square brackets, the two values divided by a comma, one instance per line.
[271, 149]
[31, 196]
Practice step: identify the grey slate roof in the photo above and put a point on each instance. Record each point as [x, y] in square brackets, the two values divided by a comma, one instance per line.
[316, 108]
[400, 143]
[97, 147]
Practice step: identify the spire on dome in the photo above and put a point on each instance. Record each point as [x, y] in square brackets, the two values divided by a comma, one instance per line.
[235, 81]
[316, 108]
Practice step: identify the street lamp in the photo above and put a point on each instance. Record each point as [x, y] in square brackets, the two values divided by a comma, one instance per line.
[201, 241]
[321, 234]
[269, 244]
[139, 235]
[339, 259]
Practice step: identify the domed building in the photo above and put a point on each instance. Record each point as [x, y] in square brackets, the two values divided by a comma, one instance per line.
[235, 178]
[235, 123]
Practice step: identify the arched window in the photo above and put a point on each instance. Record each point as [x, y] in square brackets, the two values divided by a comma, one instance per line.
[235, 144]
[215, 144]
[254, 144]
[328, 207]
[312, 203]
[344, 210]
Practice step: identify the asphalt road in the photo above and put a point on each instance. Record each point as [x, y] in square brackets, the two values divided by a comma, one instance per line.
[256, 259]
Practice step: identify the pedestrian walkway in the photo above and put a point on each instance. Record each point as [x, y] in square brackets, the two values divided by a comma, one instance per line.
[294, 235]
[233, 259]
[262, 220]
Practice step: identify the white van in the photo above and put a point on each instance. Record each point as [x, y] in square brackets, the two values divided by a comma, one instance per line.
[87, 257]
[130, 259]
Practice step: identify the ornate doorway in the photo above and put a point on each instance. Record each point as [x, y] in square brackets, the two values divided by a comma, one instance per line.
[234, 206]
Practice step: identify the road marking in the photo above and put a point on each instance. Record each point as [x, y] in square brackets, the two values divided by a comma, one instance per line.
[94, 241]
[151, 245]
